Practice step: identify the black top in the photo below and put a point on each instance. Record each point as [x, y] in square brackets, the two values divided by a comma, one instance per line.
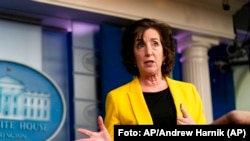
[161, 106]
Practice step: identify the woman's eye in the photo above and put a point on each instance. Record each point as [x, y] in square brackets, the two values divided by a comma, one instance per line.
[140, 45]
[155, 43]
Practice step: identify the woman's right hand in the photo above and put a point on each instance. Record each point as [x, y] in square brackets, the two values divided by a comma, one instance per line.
[102, 135]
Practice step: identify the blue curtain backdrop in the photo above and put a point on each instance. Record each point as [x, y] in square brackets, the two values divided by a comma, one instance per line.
[177, 70]
[222, 84]
[113, 73]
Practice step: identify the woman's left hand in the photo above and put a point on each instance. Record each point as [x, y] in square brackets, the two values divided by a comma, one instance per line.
[185, 119]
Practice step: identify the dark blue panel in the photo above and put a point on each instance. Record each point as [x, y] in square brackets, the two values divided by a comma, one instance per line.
[177, 70]
[57, 54]
[222, 84]
[113, 73]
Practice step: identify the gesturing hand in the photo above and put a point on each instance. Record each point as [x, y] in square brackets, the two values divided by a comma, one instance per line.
[102, 135]
[185, 119]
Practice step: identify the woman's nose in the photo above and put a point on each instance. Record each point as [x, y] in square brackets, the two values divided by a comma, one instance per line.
[148, 50]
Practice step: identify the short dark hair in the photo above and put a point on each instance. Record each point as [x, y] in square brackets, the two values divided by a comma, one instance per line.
[138, 28]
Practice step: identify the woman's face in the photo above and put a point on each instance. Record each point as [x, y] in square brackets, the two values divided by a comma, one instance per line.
[149, 52]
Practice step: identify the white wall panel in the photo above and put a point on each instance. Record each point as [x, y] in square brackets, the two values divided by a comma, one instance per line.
[83, 34]
[21, 43]
[86, 113]
[84, 61]
[84, 75]
[85, 87]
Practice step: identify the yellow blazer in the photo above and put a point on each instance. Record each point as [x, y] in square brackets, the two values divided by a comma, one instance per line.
[125, 105]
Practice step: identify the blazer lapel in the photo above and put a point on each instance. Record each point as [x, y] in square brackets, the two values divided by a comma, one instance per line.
[176, 94]
[138, 103]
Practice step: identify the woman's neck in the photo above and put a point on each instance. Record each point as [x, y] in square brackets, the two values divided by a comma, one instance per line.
[153, 83]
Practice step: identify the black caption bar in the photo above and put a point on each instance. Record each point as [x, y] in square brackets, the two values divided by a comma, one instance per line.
[222, 132]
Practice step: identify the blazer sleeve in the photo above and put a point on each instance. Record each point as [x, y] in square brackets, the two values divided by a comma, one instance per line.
[111, 115]
[199, 115]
